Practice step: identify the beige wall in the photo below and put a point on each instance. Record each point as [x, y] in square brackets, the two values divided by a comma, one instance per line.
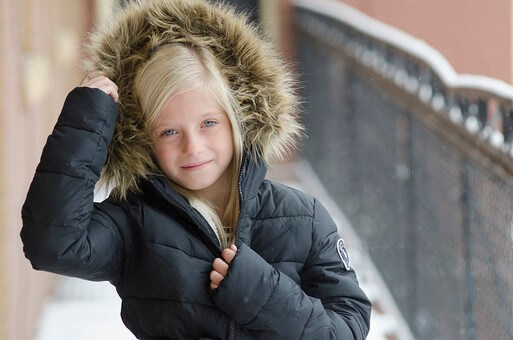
[276, 18]
[40, 41]
[474, 35]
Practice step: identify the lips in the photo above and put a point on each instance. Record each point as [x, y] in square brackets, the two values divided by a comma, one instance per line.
[196, 165]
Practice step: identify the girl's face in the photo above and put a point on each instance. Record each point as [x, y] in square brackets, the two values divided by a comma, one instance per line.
[193, 141]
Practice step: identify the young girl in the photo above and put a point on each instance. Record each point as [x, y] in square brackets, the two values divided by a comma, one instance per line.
[183, 108]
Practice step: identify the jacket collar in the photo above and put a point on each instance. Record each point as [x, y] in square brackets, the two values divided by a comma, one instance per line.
[253, 172]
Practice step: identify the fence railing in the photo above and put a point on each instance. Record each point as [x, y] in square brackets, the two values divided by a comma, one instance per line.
[421, 161]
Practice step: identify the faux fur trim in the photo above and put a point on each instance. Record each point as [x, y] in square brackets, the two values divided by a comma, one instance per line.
[262, 82]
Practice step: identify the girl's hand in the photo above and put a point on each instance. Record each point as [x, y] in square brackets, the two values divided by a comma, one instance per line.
[221, 266]
[99, 81]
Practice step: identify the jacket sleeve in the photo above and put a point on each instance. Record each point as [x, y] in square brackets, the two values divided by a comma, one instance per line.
[328, 305]
[63, 230]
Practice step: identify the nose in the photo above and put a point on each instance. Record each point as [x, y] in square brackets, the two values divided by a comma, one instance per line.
[192, 145]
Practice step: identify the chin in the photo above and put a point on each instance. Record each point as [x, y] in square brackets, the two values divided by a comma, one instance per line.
[195, 186]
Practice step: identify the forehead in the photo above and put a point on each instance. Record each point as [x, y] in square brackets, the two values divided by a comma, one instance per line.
[190, 104]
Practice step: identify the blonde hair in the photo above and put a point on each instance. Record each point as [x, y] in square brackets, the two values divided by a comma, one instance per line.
[177, 68]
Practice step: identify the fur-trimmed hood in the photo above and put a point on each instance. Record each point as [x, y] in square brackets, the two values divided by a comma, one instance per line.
[261, 81]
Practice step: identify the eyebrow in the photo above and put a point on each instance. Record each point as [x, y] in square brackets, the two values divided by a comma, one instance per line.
[213, 113]
[219, 113]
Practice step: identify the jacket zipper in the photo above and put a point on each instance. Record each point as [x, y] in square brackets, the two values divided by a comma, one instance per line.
[191, 217]
[240, 199]
[232, 331]
[231, 335]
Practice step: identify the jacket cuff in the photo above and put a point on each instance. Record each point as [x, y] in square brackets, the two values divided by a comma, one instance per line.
[247, 287]
[90, 109]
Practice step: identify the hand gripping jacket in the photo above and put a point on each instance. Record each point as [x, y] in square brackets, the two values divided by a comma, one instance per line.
[287, 280]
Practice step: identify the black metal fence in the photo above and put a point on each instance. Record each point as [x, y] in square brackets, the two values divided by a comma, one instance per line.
[433, 209]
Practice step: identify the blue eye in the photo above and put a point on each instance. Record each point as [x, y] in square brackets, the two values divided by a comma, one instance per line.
[168, 132]
[210, 123]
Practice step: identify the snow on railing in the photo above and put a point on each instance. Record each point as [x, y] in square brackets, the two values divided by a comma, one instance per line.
[482, 105]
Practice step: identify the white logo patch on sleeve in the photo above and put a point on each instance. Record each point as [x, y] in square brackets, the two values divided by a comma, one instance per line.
[342, 252]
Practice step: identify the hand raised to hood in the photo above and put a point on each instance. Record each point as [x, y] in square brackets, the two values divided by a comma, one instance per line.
[99, 81]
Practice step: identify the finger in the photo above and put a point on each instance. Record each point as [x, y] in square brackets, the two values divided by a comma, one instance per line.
[95, 74]
[98, 81]
[228, 255]
[114, 93]
[106, 86]
[213, 285]
[84, 80]
[90, 76]
[220, 266]
[101, 81]
[111, 91]
[233, 247]
[215, 277]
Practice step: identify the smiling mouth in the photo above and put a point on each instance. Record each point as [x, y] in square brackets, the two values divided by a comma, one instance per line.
[195, 165]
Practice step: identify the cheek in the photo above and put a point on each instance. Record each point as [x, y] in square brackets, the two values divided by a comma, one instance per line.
[231, 150]
[163, 153]
[228, 145]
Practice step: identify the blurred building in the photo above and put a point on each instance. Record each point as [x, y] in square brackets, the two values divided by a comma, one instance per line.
[475, 36]
[39, 64]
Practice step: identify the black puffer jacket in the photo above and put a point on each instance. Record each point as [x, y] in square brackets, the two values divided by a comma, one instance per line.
[287, 280]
